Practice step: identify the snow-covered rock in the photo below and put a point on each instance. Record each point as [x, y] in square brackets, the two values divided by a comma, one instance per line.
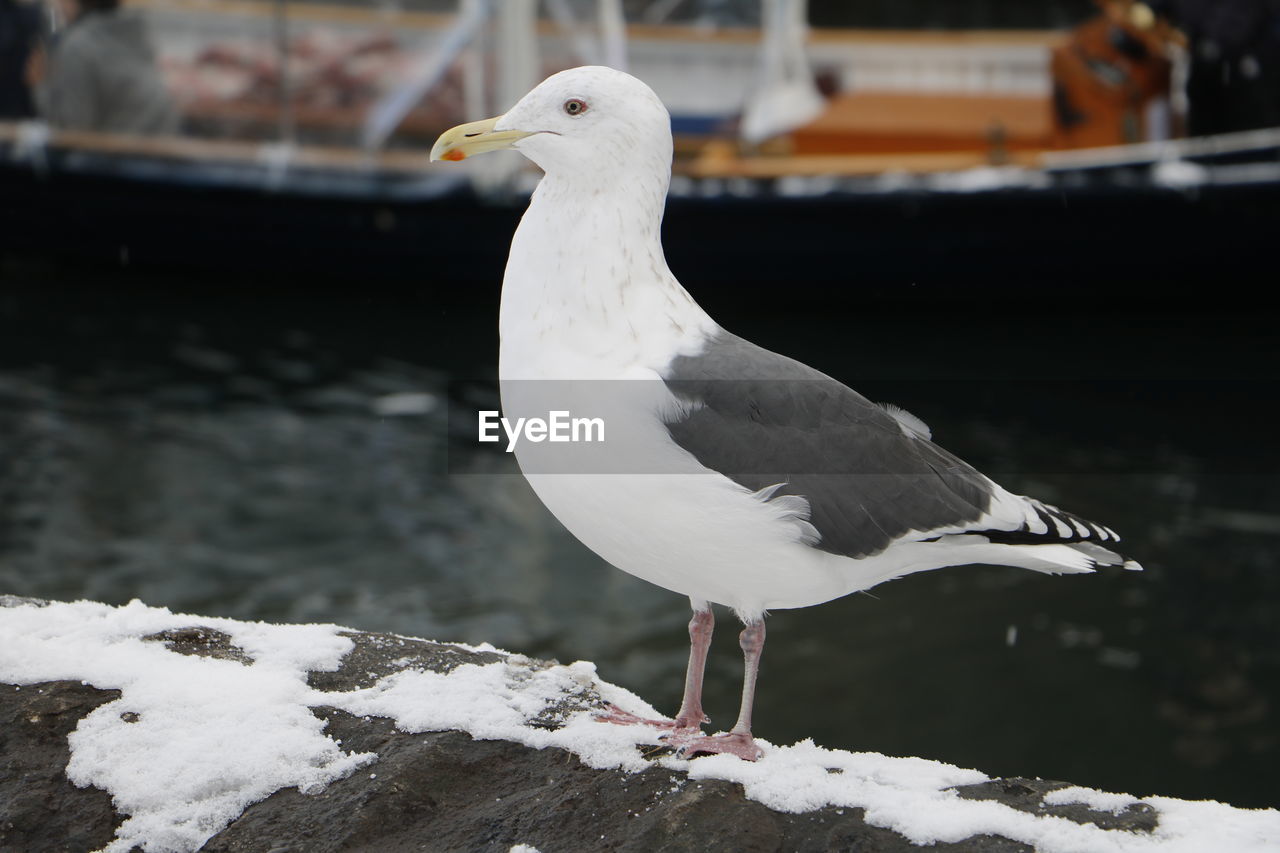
[124, 727]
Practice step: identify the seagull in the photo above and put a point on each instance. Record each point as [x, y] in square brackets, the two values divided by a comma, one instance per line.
[729, 474]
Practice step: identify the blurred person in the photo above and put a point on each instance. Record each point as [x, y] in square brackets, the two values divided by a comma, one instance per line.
[101, 74]
[19, 40]
[1234, 80]
[1112, 76]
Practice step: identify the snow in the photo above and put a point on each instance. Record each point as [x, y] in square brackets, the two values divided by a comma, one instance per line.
[193, 741]
[211, 736]
[1097, 800]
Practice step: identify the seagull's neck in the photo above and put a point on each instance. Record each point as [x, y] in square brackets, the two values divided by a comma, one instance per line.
[587, 286]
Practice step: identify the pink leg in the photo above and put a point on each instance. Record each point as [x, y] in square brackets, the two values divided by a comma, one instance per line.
[738, 741]
[690, 717]
[701, 626]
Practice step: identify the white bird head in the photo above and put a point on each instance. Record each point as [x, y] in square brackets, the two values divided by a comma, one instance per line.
[591, 123]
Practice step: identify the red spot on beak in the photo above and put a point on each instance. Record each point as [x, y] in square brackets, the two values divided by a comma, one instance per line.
[455, 155]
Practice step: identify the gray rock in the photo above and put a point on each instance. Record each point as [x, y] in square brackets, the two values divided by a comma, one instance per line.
[446, 791]
[379, 655]
[40, 810]
[1028, 795]
[202, 641]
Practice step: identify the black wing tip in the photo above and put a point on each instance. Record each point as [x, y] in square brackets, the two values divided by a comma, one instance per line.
[1082, 532]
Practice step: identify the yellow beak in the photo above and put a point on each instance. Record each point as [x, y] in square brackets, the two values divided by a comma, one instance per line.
[477, 137]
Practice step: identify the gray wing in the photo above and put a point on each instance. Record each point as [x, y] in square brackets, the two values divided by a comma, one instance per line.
[762, 419]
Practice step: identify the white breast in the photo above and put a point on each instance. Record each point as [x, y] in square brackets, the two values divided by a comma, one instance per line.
[589, 321]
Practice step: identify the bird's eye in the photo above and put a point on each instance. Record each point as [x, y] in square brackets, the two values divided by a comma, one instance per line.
[575, 106]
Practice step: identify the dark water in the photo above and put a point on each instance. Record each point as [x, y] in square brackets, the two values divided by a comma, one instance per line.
[267, 450]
